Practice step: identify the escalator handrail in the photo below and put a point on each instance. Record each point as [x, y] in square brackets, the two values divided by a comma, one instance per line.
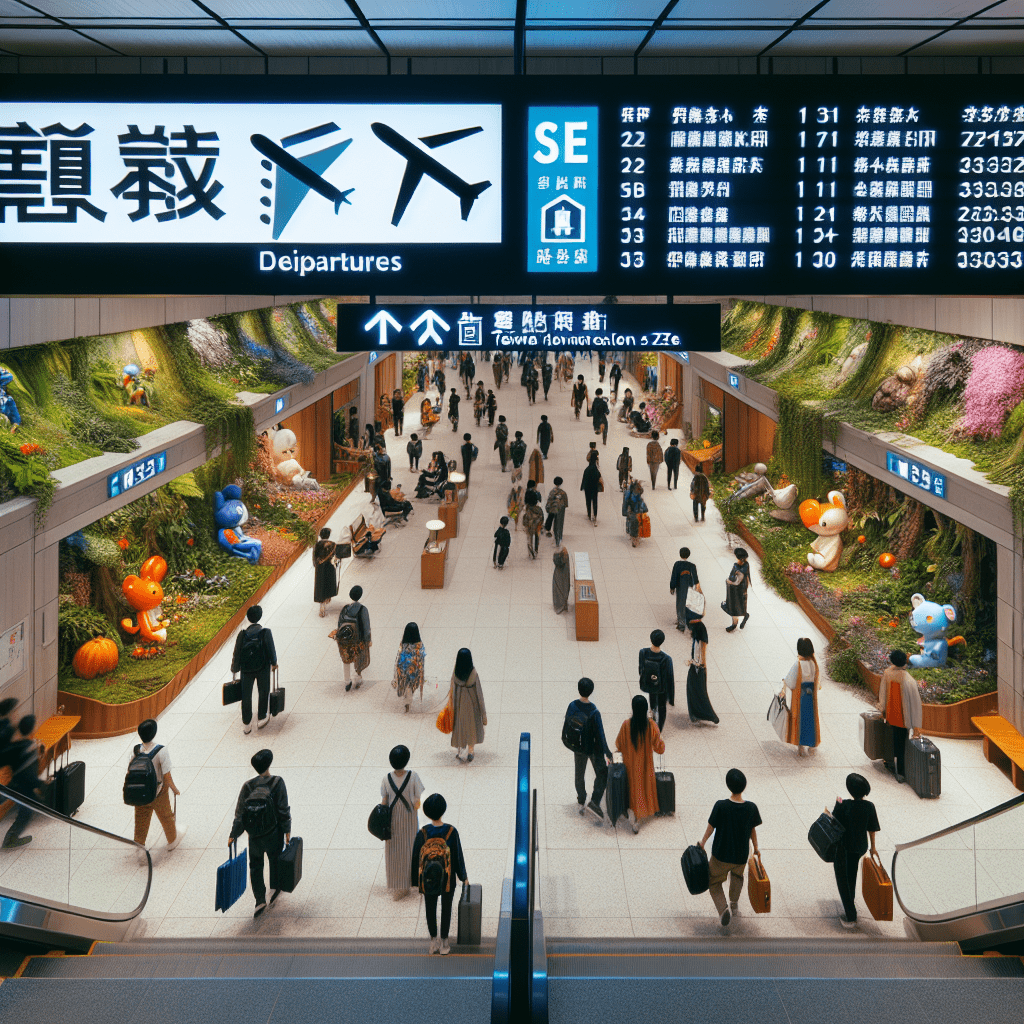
[956, 915]
[39, 901]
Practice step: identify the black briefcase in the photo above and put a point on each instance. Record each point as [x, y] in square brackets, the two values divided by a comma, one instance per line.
[231, 692]
[289, 866]
[276, 703]
[696, 871]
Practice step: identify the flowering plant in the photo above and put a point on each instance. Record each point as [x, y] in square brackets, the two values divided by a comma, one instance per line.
[995, 386]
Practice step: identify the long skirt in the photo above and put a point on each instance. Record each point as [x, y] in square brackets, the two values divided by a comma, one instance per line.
[357, 654]
[398, 849]
[735, 600]
[808, 737]
[325, 583]
[698, 704]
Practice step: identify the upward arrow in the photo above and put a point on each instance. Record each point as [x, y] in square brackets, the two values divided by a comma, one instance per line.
[430, 318]
[382, 320]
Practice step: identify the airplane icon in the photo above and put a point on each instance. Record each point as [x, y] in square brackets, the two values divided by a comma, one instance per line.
[419, 163]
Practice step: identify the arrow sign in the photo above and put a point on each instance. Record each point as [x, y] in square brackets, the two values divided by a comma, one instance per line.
[430, 318]
[382, 321]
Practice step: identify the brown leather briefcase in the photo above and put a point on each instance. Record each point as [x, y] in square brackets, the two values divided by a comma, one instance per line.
[759, 886]
[876, 888]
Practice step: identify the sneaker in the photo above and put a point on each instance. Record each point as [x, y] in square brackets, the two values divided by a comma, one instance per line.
[435, 946]
[445, 948]
[729, 629]
[595, 810]
[247, 727]
[274, 895]
[726, 917]
[260, 907]
[262, 723]
[846, 922]
[180, 834]
[348, 686]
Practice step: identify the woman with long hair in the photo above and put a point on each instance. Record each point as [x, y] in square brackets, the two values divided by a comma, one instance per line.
[410, 665]
[592, 485]
[638, 741]
[325, 579]
[466, 699]
[803, 681]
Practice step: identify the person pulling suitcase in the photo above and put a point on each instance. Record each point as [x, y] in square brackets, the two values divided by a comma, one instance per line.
[899, 700]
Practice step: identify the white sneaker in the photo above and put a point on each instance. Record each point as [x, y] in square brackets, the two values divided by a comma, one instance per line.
[247, 727]
[435, 945]
[177, 838]
[445, 948]
[359, 681]
[262, 722]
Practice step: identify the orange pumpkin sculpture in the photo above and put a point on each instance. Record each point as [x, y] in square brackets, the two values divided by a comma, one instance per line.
[886, 560]
[145, 595]
[95, 658]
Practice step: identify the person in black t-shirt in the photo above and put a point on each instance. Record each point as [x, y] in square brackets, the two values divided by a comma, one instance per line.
[502, 542]
[860, 820]
[684, 576]
[734, 822]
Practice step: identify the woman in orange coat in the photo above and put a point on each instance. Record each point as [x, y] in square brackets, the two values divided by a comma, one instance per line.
[639, 740]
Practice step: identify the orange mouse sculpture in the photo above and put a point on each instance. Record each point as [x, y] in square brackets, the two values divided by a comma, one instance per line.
[145, 595]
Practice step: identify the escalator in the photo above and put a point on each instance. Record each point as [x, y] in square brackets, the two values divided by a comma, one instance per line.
[965, 883]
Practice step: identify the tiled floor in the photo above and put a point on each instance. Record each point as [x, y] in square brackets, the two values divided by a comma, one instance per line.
[331, 747]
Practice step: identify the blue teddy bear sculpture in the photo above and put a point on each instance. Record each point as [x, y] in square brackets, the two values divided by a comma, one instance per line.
[932, 620]
[8, 406]
[230, 514]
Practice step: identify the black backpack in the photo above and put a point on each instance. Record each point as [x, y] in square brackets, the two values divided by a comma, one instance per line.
[577, 733]
[252, 657]
[650, 678]
[348, 625]
[259, 812]
[142, 780]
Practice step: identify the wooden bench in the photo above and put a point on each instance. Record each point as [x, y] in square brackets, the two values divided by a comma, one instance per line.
[1004, 746]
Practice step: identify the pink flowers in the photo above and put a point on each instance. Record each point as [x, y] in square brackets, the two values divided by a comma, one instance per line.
[995, 386]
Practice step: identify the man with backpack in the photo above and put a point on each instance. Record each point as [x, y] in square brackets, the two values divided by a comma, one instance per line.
[254, 656]
[657, 677]
[517, 451]
[353, 637]
[437, 861]
[583, 734]
[501, 441]
[262, 812]
[147, 788]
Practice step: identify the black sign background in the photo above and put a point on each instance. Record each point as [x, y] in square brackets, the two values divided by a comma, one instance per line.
[500, 269]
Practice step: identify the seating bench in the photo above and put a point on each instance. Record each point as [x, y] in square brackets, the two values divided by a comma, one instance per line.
[1004, 746]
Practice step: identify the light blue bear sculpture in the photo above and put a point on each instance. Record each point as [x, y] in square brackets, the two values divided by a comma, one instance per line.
[230, 514]
[8, 406]
[932, 620]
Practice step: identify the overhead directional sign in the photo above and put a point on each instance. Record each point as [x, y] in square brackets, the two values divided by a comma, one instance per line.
[670, 328]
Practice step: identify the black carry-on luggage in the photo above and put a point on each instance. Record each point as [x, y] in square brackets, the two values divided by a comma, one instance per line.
[617, 794]
[876, 737]
[666, 790]
[924, 767]
[289, 866]
[68, 788]
[696, 873]
[470, 906]
[276, 702]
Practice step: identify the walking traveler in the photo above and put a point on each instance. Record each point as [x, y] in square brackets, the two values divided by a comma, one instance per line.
[533, 518]
[402, 790]
[468, 454]
[734, 823]
[579, 395]
[698, 704]
[599, 412]
[453, 409]
[583, 733]
[254, 656]
[466, 698]
[657, 678]
[532, 381]
[700, 491]
[545, 435]
[546, 376]
[149, 772]
[439, 380]
[353, 638]
[517, 452]
[624, 464]
[860, 822]
[555, 506]
[803, 682]
[492, 407]
[684, 576]
[437, 861]
[22, 757]
[398, 411]
[414, 449]
[410, 665]
[498, 372]
[601, 363]
[899, 700]
[655, 457]
[614, 376]
[633, 506]
[673, 456]
[560, 583]
[325, 578]
[502, 542]
[591, 486]
[501, 442]
[736, 586]
[638, 741]
[263, 813]
[564, 370]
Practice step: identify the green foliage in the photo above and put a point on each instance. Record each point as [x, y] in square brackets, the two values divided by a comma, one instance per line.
[77, 626]
[712, 432]
[799, 446]
[25, 474]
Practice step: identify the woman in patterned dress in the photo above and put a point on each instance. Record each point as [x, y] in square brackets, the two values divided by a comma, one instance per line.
[404, 820]
[410, 665]
[638, 741]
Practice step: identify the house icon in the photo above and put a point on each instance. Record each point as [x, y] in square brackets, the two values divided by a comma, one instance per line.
[563, 220]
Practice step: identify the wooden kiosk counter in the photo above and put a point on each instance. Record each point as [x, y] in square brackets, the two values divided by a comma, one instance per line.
[586, 604]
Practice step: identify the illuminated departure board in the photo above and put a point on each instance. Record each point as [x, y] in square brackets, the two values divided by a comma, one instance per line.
[514, 185]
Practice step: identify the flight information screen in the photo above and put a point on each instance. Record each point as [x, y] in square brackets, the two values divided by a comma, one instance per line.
[506, 185]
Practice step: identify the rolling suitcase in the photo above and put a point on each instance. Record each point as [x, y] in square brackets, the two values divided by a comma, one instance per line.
[666, 791]
[617, 794]
[876, 736]
[69, 788]
[923, 767]
[759, 886]
[696, 873]
[470, 905]
[276, 703]
[231, 878]
[876, 888]
[289, 866]
[825, 835]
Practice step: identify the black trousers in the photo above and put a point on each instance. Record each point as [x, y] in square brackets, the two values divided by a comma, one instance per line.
[414, 462]
[500, 554]
[544, 446]
[600, 776]
[698, 506]
[659, 710]
[271, 846]
[399, 423]
[845, 868]
[601, 427]
[899, 749]
[467, 465]
[446, 913]
[673, 474]
[591, 502]
[262, 681]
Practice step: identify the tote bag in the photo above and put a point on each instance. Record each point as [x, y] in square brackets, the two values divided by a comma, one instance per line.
[778, 715]
[695, 602]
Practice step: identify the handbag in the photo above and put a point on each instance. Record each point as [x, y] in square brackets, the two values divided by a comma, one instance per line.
[445, 720]
[695, 602]
[759, 886]
[600, 484]
[825, 835]
[231, 692]
[778, 715]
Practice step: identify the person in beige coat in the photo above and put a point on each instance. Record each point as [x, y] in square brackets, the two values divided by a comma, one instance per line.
[899, 700]
[466, 698]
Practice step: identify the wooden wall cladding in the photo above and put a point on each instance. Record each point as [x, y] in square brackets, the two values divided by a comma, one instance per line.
[749, 436]
[312, 426]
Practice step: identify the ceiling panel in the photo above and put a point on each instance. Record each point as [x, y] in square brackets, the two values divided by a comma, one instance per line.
[982, 43]
[427, 10]
[717, 10]
[714, 42]
[319, 9]
[580, 10]
[570, 41]
[858, 42]
[299, 42]
[902, 8]
[46, 43]
[119, 8]
[185, 43]
[477, 42]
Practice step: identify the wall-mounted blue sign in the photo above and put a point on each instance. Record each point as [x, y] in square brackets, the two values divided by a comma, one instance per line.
[685, 356]
[734, 381]
[139, 472]
[916, 474]
[833, 465]
[281, 404]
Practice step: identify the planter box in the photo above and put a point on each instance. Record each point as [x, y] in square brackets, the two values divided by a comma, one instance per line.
[100, 720]
[348, 466]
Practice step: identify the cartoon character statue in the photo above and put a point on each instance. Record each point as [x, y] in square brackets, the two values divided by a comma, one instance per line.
[145, 595]
[230, 514]
[932, 620]
[828, 522]
[756, 483]
[287, 471]
[131, 381]
[9, 415]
